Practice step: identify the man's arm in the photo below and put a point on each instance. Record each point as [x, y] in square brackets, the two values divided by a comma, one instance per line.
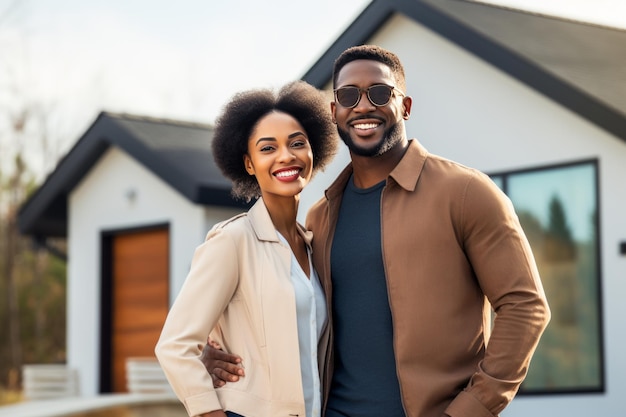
[223, 367]
[505, 268]
[216, 413]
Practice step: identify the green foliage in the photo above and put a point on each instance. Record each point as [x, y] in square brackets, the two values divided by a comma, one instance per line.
[32, 288]
[42, 306]
[41, 291]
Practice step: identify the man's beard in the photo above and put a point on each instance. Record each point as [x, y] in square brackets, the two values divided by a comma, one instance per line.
[391, 137]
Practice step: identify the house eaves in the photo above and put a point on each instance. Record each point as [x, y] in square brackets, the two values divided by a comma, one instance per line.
[176, 152]
[581, 66]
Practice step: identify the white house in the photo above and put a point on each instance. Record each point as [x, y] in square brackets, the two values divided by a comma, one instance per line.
[134, 197]
[538, 103]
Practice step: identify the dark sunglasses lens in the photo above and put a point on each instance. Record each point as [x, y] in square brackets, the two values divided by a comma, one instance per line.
[348, 96]
[380, 94]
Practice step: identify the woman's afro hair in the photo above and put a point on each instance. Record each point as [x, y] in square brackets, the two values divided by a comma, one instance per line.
[233, 128]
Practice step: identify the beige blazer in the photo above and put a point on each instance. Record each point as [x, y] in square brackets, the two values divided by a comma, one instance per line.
[239, 285]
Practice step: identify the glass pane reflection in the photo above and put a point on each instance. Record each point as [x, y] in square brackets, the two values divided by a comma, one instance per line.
[557, 208]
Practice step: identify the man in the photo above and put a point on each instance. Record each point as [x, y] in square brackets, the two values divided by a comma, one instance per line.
[416, 247]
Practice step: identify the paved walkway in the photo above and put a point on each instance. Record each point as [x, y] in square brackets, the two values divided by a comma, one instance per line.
[119, 405]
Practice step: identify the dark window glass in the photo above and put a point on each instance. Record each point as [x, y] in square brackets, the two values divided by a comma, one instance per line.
[558, 208]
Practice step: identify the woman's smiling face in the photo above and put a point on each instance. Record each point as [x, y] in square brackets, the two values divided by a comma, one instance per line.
[279, 155]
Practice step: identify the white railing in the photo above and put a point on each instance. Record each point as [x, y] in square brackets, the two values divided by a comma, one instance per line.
[46, 381]
[136, 405]
[144, 375]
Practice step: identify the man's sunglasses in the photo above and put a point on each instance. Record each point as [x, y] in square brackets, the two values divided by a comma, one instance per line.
[379, 95]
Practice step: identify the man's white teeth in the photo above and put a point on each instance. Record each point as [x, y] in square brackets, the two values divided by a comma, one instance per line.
[289, 173]
[366, 125]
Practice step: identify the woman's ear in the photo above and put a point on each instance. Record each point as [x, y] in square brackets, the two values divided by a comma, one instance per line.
[247, 162]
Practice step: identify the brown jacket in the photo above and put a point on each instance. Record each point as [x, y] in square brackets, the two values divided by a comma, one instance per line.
[451, 243]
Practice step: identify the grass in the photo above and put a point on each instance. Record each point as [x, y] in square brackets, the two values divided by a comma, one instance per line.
[10, 397]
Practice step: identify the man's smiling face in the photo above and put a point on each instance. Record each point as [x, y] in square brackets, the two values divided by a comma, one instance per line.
[366, 129]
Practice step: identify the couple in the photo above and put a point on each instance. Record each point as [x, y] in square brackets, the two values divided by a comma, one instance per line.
[410, 249]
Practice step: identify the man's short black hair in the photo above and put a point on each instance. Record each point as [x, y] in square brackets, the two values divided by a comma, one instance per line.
[233, 128]
[373, 53]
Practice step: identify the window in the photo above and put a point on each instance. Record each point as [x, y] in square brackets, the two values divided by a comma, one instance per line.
[558, 209]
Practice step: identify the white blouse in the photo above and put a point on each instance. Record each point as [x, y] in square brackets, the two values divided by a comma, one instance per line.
[311, 315]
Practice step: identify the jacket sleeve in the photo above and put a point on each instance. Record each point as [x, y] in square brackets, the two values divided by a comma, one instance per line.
[208, 288]
[505, 268]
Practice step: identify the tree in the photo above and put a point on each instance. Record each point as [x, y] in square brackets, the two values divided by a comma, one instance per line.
[9, 256]
[32, 282]
[560, 245]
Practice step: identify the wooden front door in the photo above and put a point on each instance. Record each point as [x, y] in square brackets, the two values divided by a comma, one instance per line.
[139, 291]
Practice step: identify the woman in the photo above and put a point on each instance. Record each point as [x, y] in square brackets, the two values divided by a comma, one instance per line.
[251, 283]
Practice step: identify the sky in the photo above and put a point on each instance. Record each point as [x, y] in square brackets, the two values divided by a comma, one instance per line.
[65, 61]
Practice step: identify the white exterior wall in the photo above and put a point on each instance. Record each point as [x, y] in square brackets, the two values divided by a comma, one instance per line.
[463, 109]
[100, 203]
[469, 111]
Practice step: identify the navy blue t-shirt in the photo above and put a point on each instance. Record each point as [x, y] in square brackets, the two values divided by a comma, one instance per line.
[365, 382]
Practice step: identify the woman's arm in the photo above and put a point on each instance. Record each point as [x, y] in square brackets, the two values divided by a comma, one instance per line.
[207, 290]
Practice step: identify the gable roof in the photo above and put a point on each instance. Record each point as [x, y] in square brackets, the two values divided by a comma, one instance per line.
[579, 65]
[177, 152]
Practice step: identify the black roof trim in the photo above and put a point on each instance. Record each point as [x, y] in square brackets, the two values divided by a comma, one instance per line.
[518, 66]
[45, 212]
[363, 27]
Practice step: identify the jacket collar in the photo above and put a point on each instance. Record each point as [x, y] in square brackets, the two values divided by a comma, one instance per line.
[263, 227]
[406, 173]
[408, 170]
